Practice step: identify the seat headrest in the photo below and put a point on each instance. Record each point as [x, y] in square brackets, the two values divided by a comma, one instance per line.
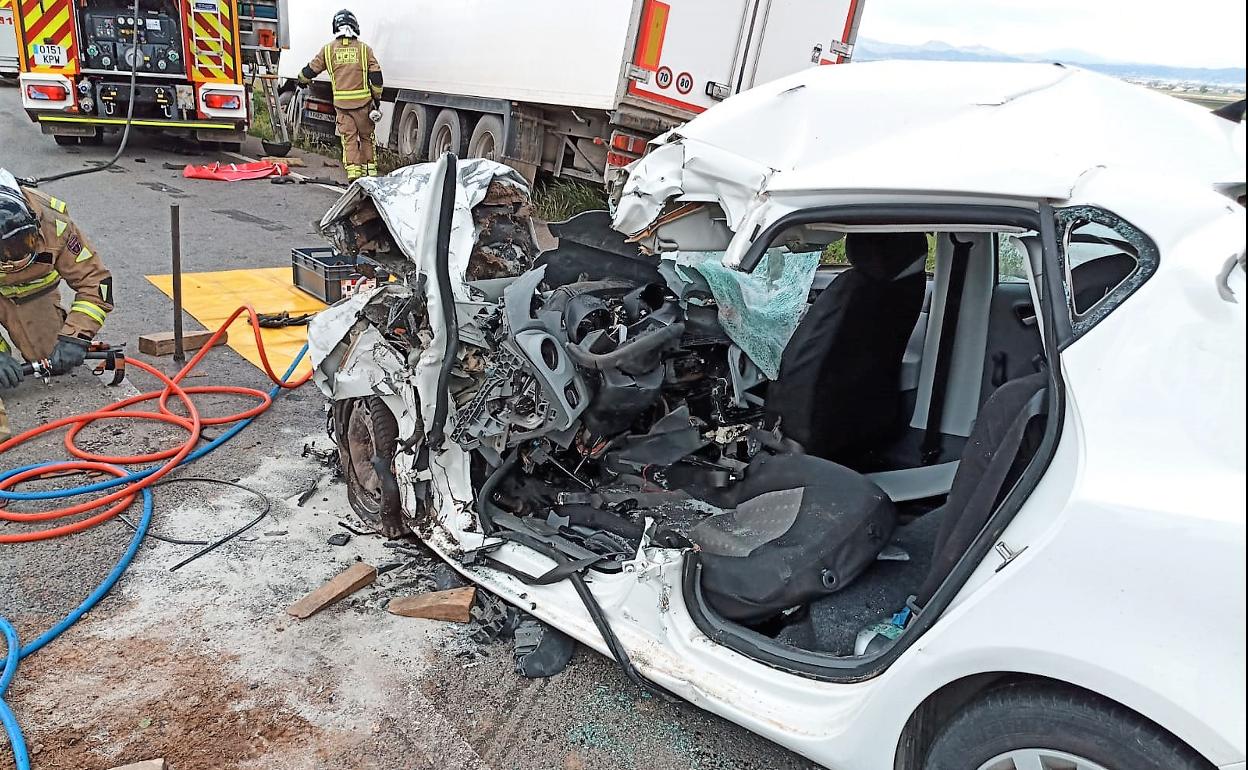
[884, 256]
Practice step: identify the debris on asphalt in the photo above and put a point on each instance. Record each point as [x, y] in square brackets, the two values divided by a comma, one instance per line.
[354, 531]
[339, 538]
[292, 161]
[453, 606]
[149, 764]
[311, 490]
[162, 343]
[541, 650]
[343, 584]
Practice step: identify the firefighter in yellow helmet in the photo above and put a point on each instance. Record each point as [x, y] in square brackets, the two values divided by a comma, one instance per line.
[41, 247]
[356, 78]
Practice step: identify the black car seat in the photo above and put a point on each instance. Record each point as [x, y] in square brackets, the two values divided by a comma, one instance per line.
[1006, 435]
[838, 391]
[803, 527]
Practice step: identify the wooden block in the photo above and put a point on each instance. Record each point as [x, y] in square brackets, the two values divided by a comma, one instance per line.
[151, 764]
[341, 585]
[161, 343]
[291, 162]
[454, 606]
[4, 421]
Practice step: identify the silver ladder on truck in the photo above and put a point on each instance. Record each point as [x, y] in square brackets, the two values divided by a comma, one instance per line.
[263, 25]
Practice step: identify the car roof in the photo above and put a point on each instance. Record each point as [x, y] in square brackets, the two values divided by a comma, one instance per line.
[1016, 130]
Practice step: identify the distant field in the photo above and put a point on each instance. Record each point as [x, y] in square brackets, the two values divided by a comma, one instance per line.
[1211, 101]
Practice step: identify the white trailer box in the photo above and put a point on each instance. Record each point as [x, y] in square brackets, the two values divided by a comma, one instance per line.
[8, 42]
[567, 86]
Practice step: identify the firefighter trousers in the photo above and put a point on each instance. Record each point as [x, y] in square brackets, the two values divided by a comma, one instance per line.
[32, 325]
[359, 150]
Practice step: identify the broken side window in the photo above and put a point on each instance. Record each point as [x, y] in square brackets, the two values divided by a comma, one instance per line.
[1104, 260]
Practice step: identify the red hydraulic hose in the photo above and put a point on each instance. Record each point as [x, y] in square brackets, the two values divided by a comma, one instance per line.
[117, 501]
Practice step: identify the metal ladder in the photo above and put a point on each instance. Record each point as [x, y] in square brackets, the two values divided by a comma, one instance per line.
[266, 74]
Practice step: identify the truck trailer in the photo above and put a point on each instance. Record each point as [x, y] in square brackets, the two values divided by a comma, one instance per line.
[8, 42]
[568, 87]
[188, 58]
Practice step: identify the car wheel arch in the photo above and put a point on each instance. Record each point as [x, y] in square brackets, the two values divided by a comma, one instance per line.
[935, 711]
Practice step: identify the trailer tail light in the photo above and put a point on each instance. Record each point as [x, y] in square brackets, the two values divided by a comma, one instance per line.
[634, 145]
[619, 159]
[47, 93]
[218, 101]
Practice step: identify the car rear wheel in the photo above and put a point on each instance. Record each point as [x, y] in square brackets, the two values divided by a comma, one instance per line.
[368, 436]
[1048, 727]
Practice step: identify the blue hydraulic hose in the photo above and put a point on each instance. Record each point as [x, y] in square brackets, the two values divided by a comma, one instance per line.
[14, 651]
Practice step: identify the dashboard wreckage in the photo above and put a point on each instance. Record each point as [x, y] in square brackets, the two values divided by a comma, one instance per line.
[799, 402]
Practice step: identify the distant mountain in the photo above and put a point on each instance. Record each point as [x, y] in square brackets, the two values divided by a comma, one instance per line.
[935, 50]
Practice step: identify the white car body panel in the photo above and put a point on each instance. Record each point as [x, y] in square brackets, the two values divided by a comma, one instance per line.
[1131, 578]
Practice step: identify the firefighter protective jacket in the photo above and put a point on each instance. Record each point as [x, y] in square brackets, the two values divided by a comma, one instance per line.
[352, 68]
[29, 298]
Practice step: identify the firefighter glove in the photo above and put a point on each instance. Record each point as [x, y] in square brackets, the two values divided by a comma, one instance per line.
[68, 354]
[10, 372]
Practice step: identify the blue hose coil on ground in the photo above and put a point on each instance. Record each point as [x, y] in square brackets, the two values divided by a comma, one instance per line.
[14, 651]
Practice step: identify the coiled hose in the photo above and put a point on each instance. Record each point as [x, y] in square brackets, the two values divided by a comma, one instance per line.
[128, 485]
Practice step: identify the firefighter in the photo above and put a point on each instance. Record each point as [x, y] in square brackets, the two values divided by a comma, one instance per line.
[40, 247]
[356, 78]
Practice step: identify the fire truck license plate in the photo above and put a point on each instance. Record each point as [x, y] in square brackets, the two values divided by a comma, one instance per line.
[48, 55]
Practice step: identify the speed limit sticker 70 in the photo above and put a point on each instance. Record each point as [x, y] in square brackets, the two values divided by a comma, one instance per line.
[48, 55]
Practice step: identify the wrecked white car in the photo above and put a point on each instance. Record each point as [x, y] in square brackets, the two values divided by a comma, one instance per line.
[900, 418]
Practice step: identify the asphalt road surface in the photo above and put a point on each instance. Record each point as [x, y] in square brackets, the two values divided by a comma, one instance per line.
[201, 665]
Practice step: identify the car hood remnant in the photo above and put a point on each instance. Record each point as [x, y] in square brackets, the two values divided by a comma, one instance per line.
[592, 376]
[387, 218]
[1020, 131]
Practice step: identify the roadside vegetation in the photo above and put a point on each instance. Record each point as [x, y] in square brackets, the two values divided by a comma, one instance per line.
[559, 199]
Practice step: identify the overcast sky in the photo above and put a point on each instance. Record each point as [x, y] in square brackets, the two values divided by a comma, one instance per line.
[1192, 33]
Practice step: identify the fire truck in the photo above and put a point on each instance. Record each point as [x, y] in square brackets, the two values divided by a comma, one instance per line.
[187, 65]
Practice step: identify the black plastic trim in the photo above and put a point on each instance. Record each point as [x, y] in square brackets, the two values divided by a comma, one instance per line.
[886, 214]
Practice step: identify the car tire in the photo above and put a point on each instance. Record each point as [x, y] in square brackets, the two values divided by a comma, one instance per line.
[368, 437]
[447, 135]
[487, 139]
[1013, 726]
[411, 133]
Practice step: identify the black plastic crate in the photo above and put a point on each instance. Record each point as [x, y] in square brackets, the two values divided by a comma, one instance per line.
[323, 273]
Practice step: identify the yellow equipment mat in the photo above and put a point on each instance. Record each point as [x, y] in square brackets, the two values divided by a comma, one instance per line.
[211, 297]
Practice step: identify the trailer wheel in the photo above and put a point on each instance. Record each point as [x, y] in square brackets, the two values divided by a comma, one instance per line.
[412, 138]
[447, 135]
[487, 139]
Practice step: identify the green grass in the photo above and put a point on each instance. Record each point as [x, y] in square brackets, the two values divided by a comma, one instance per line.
[834, 254]
[560, 199]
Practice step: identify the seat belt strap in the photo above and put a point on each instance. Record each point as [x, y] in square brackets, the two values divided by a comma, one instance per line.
[959, 264]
